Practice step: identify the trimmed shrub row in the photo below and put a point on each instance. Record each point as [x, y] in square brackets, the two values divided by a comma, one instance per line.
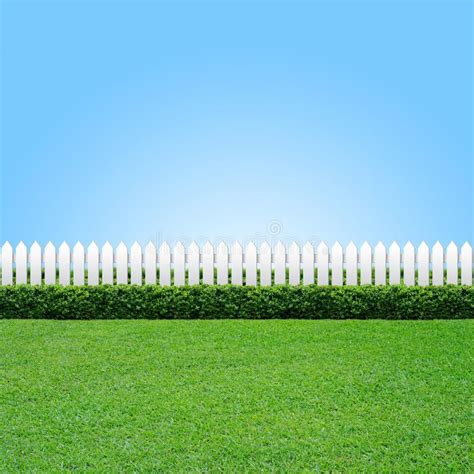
[236, 302]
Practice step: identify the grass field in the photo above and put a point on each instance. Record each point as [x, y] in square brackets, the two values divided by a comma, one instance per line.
[282, 396]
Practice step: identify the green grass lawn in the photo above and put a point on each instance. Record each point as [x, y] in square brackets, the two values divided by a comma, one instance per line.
[188, 396]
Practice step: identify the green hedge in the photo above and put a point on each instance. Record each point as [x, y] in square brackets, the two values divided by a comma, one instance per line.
[236, 302]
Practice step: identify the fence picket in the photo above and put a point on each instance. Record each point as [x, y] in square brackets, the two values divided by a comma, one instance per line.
[193, 264]
[136, 264]
[394, 264]
[337, 265]
[236, 264]
[423, 259]
[308, 264]
[365, 264]
[93, 264]
[107, 264]
[380, 263]
[466, 264]
[322, 261]
[251, 264]
[208, 263]
[179, 264]
[35, 264]
[265, 264]
[150, 264]
[78, 264]
[64, 264]
[21, 263]
[164, 258]
[7, 264]
[121, 257]
[409, 264]
[351, 264]
[222, 264]
[437, 258]
[294, 264]
[280, 263]
[50, 264]
[452, 264]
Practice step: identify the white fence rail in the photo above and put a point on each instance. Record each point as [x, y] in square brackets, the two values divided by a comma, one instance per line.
[250, 266]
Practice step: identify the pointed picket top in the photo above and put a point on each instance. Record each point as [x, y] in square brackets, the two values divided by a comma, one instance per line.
[451, 246]
[265, 247]
[408, 246]
[351, 246]
[308, 247]
[380, 246]
[78, 247]
[423, 247]
[251, 247]
[35, 247]
[165, 249]
[323, 248]
[121, 247]
[466, 247]
[7, 247]
[21, 247]
[294, 248]
[394, 247]
[366, 247]
[222, 248]
[438, 246]
[337, 264]
[135, 247]
[179, 248]
[64, 246]
[280, 247]
[49, 245]
[236, 248]
[150, 248]
[336, 247]
[193, 247]
[93, 247]
[208, 248]
[107, 246]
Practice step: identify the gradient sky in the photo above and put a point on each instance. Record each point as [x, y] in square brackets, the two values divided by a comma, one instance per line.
[318, 120]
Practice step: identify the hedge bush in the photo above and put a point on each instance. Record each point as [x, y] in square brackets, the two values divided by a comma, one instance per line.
[236, 302]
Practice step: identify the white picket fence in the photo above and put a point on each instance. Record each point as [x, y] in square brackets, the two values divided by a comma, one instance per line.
[263, 266]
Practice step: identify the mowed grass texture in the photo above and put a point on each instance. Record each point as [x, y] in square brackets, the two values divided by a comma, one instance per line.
[234, 396]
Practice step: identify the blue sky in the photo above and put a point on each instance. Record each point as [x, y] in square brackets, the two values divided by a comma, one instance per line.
[151, 120]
